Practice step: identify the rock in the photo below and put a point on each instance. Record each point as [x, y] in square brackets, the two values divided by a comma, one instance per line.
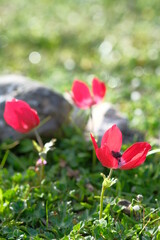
[104, 115]
[126, 205]
[79, 117]
[46, 102]
[128, 209]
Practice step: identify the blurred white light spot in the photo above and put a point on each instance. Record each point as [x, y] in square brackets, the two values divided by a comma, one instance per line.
[135, 82]
[73, 18]
[135, 96]
[69, 64]
[153, 53]
[138, 71]
[138, 112]
[135, 122]
[34, 57]
[114, 82]
[105, 49]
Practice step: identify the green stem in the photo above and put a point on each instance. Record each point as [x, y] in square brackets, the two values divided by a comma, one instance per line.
[101, 201]
[92, 123]
[104, 186]
[39, 140]
[4, 159]
[92, 130]
[41, 172]
[47, 214]
[110, 173]
[93, 159]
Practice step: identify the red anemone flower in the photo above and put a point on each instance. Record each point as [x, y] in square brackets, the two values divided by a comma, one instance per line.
[20, 116]
[82, 96]
[109, 153]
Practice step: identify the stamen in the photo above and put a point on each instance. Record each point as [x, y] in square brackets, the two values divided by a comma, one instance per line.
[116, 155]
[119, 158]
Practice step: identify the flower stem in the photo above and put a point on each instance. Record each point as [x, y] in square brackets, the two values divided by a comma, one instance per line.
[93, 159]
[101, 201]
[110, 173]
[92, 130]
[39, 140]
[104, 186]
[41, 172]
[91, 117]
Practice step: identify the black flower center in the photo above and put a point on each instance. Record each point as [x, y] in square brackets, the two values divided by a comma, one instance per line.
[117, 155]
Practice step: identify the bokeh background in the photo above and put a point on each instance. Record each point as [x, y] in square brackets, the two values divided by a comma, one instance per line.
[56, 41]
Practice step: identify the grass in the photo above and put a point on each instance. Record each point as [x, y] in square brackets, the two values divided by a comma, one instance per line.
[65, 204]
[117, 41]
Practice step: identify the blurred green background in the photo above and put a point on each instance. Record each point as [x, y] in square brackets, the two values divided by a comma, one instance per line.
[56, 41]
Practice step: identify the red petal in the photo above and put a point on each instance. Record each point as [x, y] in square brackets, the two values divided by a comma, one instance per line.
[81, 95]
[105, 157]
[135, 155]
[112, 139]
[94, 142]
[99, 90]
[20, 116]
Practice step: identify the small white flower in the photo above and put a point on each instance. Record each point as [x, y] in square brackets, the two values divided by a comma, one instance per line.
[136, 208]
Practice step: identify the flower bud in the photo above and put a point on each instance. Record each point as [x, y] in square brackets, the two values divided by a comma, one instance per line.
[140, 197]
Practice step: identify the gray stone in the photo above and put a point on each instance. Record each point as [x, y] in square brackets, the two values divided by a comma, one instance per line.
[104, 115]
[46, 102]
[128, 209]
